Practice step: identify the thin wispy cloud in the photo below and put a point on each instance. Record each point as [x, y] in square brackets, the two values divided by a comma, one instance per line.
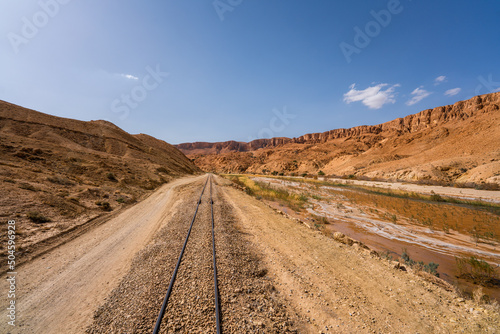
[452, 92]
[439, 79]
[129, 76]
[373, 97]
[418, 95]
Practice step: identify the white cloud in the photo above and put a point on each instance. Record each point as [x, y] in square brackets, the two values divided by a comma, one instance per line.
[418, 95]
[373, 97]
[439, 80]
[129, 76]
[451, 92]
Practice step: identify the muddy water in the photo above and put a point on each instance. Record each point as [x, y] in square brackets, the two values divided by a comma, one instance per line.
[447, 265]
[357, 220]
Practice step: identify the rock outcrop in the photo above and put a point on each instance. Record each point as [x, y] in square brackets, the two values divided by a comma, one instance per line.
[457, 142]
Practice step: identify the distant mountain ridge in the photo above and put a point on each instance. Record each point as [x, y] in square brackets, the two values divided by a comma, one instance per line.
[343, 151]
[411, 123]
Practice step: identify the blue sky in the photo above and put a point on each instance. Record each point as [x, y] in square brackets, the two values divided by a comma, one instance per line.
[220, 70]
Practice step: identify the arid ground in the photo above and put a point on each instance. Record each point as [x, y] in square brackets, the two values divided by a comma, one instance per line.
[276, 275]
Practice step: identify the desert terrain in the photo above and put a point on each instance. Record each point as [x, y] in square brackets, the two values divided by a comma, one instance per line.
[276, 276]
[265, 167]
[424, 147]
[101, 216]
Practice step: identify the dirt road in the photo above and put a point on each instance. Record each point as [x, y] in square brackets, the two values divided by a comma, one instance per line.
[276, 276]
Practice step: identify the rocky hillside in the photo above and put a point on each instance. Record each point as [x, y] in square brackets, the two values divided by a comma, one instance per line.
[57, 172]
[454, 143]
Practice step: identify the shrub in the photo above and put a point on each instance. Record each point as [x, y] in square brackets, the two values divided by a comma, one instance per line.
[321, 219]
[37, 217]
[27, 186]
[386, 255]
[446, 228]
[431, 267]
[74, 200]
[151, 184]
[263, 190]
[302, 198]
[111, 177]
[436, 198]
[406, 258]
[479, 296]
[162, 170]
[106, 206]
[321, 173]
[60, 180]
[476, 270]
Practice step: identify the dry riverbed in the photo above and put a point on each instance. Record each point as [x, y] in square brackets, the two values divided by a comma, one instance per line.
[428, 232]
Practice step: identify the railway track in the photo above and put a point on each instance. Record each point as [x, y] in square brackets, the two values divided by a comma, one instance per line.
[164, 306]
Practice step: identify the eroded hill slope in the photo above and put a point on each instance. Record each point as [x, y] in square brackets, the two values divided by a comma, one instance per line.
[57, 172]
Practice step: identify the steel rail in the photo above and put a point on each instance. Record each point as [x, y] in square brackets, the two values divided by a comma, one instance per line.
[216, 289]
[174, 275]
